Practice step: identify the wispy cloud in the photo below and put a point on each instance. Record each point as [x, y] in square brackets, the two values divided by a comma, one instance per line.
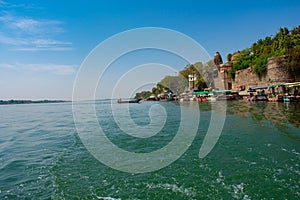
[12, 41]
[45, 45]
[32, 44]
[47, 42]
[58, 69]
[42, 49]
[25, 33]
[32, 26]
[9, 5]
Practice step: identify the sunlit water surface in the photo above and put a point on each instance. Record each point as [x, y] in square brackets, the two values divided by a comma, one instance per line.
[256, 157]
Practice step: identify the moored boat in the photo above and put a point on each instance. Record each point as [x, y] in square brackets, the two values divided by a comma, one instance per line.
[260, 93]
[222, 95]
[129, 101]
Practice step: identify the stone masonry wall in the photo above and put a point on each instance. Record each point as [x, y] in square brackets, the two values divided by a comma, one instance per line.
[277, 73]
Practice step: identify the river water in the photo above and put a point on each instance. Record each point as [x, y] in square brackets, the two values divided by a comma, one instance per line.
[256, 157]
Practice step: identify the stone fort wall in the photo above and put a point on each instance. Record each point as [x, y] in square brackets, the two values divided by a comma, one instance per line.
[277, 72]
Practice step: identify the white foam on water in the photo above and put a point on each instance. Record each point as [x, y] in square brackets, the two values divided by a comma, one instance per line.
[238, 192]
[174, 188]
[220, 178]
[108, 198]
[238, 189]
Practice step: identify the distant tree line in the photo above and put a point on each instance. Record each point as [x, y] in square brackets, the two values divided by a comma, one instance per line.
[285, 42]
[12, 101]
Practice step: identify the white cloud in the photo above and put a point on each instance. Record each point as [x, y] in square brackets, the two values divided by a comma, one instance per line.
[6, 65]
[29, 44]
[34, 26]
[6, 4]
[28, 34]
[29, 25]
[12, 41]
[43, 49]
[58, 69]
[46, 42]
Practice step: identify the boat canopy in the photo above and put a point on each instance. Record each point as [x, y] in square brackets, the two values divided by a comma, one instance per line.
[201, 93]
[292, 84]
[276, 85]
[222, 91]
[258, 87]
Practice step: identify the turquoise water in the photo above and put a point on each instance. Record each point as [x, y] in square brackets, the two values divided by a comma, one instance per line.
[256, 157]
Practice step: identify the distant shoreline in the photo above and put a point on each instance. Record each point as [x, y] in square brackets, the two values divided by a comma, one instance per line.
[10, 102]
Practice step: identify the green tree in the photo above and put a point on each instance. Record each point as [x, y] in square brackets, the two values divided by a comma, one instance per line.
[174, 84]
[284, 42]
[229, 57]
[142, 95]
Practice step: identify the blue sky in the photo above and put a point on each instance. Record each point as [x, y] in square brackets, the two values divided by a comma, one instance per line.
[43, 43]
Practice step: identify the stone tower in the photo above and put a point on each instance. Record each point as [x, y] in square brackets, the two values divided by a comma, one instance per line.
[223, 70]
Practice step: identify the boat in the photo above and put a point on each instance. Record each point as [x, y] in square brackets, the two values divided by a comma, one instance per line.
[201, 96]
[187, 96]
[260, 97]
[129, 101]
[292, 92]
[286, 99]
[222, 95]
[275, 92]
[260, 93]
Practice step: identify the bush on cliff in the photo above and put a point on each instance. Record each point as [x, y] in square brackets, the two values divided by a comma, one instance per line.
[285, 42]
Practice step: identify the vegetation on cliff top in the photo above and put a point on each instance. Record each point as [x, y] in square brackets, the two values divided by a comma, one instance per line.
[284, 42]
